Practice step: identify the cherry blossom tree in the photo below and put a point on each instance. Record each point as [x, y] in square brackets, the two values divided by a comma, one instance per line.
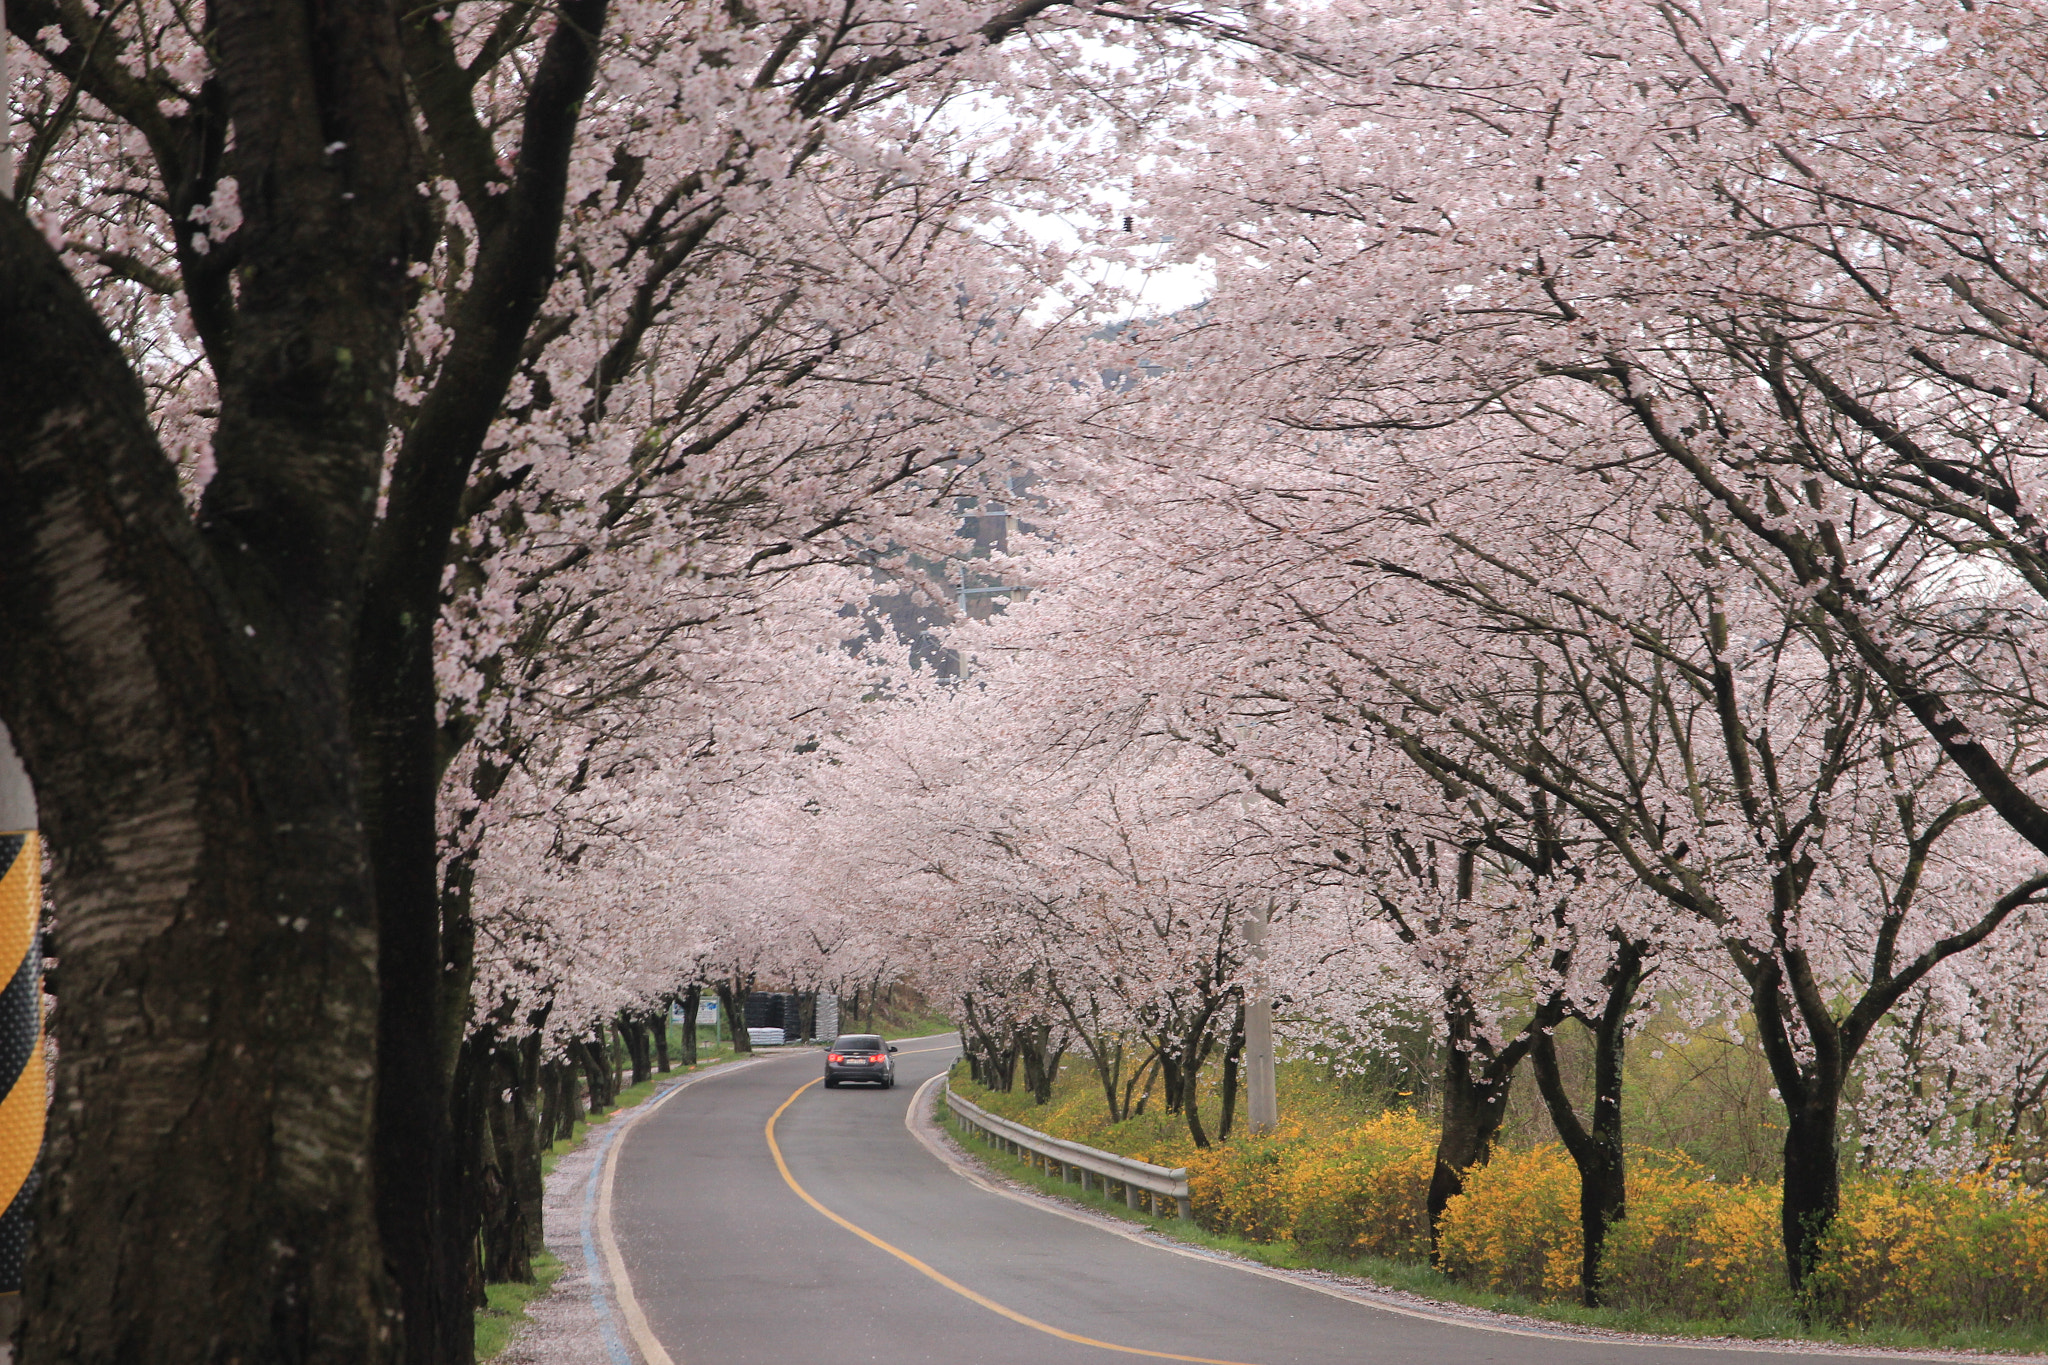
[1077, 888]
[288, 334]
[1667, 315]
[1599, 686]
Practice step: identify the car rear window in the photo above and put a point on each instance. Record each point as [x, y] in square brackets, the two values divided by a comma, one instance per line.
[858, 1042]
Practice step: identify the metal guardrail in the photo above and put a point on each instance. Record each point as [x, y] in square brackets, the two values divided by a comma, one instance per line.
[1143, 1183]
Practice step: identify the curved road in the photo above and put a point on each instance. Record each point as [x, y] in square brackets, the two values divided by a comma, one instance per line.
[727, 1263]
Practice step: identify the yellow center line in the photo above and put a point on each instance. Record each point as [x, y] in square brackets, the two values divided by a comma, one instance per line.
[962, 1290]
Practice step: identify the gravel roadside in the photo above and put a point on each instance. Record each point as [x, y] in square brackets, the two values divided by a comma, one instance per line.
[564, 1326]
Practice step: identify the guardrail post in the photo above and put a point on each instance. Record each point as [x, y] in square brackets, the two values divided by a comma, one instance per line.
[22, 1103]
[1184, 1208]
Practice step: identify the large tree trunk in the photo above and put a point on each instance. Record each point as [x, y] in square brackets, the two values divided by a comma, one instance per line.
[1233, 1054]
[426, 1129]
[1597, 1150]
[1475, 1100]
[424, 957]
[732, 1003]
[597, 1070]
[1041, 1060]
[1810, 1083]
[568, 1107]
[632, 1030]
[692, 999]
[475, 1182]
[992, 1051]
[1813, 1182]
[205, 1195]
[510, 1209]
[178, 691]
[529, 1141]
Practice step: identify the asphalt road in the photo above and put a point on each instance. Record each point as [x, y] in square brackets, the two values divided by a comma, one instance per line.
[729, 1264]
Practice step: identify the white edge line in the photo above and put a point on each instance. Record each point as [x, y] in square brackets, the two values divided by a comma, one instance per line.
[923, 1126]
[622, 1284]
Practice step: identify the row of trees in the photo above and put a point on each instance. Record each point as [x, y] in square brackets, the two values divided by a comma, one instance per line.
[1587, 549]
[1594, 526]
[433, 446]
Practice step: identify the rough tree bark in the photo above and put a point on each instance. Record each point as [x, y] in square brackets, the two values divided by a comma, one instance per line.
[732, 1003]
[597, 1070]
[1233, 1056]
[395, 716]
[632, 1030]
[1477, 1078]
[1598, 1150]
[179, 692]
[991, 1048]
[565, 1108]
[509, 1231]
[1040, 1058]
[692, 998]
[476, 1179]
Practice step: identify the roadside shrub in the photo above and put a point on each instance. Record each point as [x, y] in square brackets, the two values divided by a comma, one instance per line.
[1355, 1191]
[1925, 1255]
[1935, 1254]
[1516, 1226]
[1367, 1196]
[1236, 1188]
[1692, 1245]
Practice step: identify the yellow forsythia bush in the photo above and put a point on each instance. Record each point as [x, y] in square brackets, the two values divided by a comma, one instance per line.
[1925, 1254]
[1694, 1246]
[1361, 1190]
[1931, 1254]
[1235, 1188]
[1368, 1196]
[1690, 1245]
[1516, 1226]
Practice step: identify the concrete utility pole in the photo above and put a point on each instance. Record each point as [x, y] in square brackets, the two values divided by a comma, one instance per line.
[1258, 1031]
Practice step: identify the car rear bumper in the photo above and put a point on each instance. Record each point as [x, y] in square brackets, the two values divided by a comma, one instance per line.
[856, 1073]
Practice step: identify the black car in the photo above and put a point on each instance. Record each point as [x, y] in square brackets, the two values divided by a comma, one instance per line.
[860, 1057]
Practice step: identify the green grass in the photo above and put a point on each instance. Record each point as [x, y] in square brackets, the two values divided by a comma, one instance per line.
[894, 1024]
[507, 1306]
[1764, 1324]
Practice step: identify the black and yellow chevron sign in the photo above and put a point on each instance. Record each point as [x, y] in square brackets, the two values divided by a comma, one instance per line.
[21, 1046]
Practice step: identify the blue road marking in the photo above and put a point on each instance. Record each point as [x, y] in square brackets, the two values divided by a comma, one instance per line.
[598, 1298]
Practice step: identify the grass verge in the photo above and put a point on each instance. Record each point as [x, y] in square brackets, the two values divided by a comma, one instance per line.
[893, 1025]
[506, 1304]
[1428, 1283]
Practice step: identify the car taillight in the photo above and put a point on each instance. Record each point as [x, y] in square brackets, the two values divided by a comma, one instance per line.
[834, 1057]
[877, 1057]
